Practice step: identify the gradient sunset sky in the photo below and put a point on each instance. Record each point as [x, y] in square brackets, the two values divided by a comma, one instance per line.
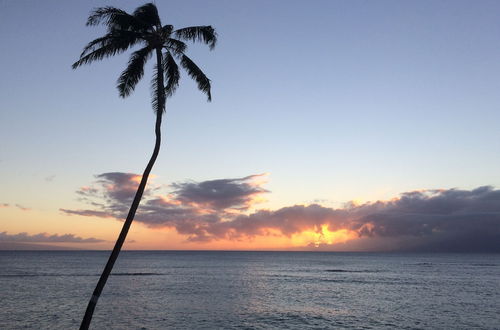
[334, 125]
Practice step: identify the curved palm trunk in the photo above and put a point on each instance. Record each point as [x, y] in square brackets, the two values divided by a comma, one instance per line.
[135, 203]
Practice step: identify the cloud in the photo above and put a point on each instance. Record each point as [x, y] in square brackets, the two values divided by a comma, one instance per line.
[220, 194]
[22, 208]
[46, 238]
[120, 186]
[89, 213]
[427, 220]
[188, 208]
[50, 178]
[112, 193]
[437, 220]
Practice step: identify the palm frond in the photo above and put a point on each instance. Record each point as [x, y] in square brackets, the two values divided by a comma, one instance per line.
[109, 39]
[103, 15]
[167, 29]
[157, 99]
[115, 18]
[172, 74]
[205, 34]
[148, 14]
[134, 71]
[195, 72]
[107, 46]
[95, 44]
[176, 46]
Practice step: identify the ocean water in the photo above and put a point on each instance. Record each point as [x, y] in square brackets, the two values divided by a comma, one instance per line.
[251, 290]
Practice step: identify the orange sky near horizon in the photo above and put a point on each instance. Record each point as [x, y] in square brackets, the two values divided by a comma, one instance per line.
[142, 237]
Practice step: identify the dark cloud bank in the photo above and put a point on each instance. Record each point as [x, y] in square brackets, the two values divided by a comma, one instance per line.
[450, 220]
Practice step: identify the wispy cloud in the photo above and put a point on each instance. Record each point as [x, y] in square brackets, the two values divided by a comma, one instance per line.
[50, 178]
[19, 206]
[46, 238]
[90, 213]
[23, 208]
[434, 220]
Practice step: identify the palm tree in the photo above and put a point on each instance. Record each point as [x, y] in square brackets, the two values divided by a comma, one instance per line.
[143, 28]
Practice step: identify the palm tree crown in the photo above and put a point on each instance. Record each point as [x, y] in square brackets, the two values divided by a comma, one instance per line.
[143, 27]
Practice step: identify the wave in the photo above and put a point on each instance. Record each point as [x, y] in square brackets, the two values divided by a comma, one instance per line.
[348, 271]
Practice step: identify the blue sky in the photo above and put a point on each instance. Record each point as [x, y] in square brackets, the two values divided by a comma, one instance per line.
[337, 100]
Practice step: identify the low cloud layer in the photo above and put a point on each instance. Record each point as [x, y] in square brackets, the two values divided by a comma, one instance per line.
[428, 220]
[45, 238]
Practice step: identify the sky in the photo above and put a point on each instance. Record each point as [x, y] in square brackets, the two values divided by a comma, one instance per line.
[334, 126]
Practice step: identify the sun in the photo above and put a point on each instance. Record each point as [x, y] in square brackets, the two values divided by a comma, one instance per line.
[323, 236]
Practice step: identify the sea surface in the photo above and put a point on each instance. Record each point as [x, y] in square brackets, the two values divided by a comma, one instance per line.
[251, 290]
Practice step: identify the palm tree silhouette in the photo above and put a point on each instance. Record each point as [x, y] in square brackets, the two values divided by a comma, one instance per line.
[143, 27]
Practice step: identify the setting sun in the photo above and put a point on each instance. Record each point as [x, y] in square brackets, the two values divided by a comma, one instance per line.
[323, 236]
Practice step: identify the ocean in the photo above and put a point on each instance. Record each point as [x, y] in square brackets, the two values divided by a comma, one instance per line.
[251, 290]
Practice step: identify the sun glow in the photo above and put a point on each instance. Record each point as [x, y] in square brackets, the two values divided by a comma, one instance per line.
[323, 236]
